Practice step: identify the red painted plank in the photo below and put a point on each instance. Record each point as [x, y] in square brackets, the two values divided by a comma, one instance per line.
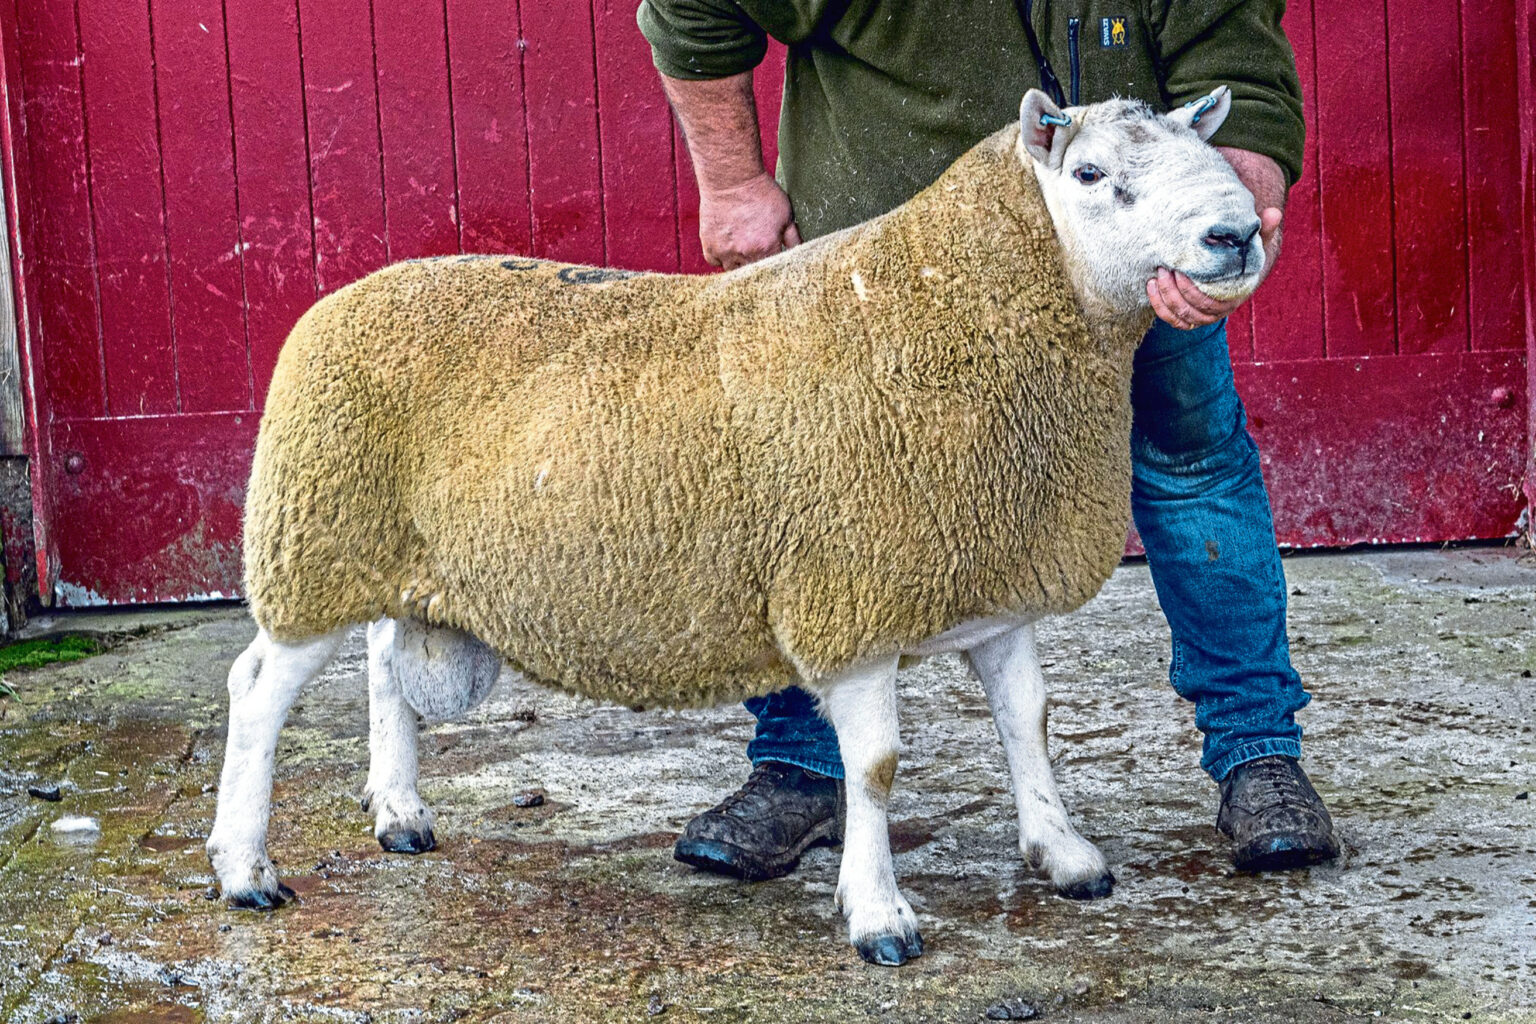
[345, 168]
[563, 144]
[490, 134]
[276, 228]
[1353, 143]
[1491, 69]
[1288, 309]
[1391, 450]
[20, 222]
[1428, 207]
[129, 207]
[639, 172]
[420, 191]
[168, 530]
[60, 218]
[213, 363]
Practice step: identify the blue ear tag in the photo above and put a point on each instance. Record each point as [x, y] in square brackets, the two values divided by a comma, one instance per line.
[1061, 120]
[1202, 105]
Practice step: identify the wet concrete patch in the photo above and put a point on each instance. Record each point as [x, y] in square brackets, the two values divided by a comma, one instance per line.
[1421, 738]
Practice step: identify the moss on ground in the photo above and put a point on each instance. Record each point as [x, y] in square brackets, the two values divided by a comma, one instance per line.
[49, 650]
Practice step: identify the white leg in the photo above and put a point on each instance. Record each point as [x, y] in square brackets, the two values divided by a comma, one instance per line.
[262, 684]
[862, 708]
[402, 823]
[1010, 673]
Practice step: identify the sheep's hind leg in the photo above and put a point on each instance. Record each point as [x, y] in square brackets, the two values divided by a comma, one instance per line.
[414, 668]
[262, 684]
[1010, 672]
[862, 708]
[402, 822]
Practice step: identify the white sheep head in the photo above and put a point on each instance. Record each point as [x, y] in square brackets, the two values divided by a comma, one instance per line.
[1131, 190]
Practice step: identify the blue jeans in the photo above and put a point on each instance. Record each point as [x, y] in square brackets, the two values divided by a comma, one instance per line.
[1199, 502]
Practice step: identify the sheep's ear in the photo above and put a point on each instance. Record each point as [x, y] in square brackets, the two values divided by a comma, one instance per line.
[1205, 114]
[1044, 128]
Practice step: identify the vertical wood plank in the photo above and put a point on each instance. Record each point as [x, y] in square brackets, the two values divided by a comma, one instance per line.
[21, 221]
[1355, 179]
[18, 330]
[1288, 309]
[345, 169]
[1429, 211]
[563, 145]
[639, 172]
[129, 207]
[490, 134]
[1490, 61]
[276, 227]
[54, 125]
[201, 207]
[416, 125]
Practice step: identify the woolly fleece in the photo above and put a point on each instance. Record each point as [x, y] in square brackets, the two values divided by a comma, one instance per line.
[678, 490]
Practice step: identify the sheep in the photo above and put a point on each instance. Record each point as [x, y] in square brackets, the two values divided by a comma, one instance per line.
[906, 438]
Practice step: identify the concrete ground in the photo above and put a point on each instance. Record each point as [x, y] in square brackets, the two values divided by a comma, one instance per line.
[1420, 738]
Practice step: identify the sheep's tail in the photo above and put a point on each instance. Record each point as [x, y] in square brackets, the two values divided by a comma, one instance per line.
[323, 537]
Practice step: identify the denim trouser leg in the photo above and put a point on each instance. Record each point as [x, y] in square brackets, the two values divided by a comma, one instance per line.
[1200, 505]
[1199, 501]
[789, 729]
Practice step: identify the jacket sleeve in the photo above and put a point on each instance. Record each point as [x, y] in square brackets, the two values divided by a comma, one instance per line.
[695, 39]
[1239, 44]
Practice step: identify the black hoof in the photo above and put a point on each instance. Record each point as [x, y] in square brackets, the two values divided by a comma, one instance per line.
[891, 950]
[255, 899]
[407, 840]
[1091, 889]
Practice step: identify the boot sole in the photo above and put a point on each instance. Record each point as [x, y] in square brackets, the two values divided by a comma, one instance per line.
[1281, 853]
[725, 859]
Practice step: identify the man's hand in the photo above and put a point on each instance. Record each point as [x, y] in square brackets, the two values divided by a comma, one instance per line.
[743, 214]
[746, 222]
[1175, 298]
[1179, 301]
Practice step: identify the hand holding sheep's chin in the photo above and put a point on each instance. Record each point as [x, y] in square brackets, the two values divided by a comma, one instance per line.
[746, 222]
[1179, 302]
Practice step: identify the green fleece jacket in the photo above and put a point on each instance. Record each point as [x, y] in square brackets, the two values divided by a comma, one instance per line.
[880, 96]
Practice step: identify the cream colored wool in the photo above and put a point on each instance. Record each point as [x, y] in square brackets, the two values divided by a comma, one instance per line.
[676, 490]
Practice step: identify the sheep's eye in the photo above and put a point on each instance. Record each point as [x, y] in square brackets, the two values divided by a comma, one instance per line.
[1088, 174]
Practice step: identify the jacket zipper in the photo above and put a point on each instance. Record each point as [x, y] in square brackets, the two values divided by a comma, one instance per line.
[1073, 25]
[1048, 80]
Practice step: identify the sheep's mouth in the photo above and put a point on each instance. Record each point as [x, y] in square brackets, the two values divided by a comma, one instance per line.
[1232, 278]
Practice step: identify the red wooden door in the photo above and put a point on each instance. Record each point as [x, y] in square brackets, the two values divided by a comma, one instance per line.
[189, 175]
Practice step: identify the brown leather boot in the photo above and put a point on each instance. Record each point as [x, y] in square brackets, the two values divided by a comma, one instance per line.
[760, 831]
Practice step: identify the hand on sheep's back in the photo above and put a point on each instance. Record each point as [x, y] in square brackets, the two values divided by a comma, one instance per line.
[746, 222]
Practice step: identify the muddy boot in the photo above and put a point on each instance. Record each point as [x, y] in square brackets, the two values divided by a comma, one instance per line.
[1274, 817]
[761, 830]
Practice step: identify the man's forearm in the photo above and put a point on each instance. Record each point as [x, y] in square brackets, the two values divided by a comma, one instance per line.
[719, 119]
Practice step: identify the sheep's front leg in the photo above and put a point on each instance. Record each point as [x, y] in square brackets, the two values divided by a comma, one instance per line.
[262, 684]
[402, 822]
[862, 708]
[1010, 672]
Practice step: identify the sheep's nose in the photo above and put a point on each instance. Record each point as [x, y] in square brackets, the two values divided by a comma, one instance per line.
[1228, 236]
